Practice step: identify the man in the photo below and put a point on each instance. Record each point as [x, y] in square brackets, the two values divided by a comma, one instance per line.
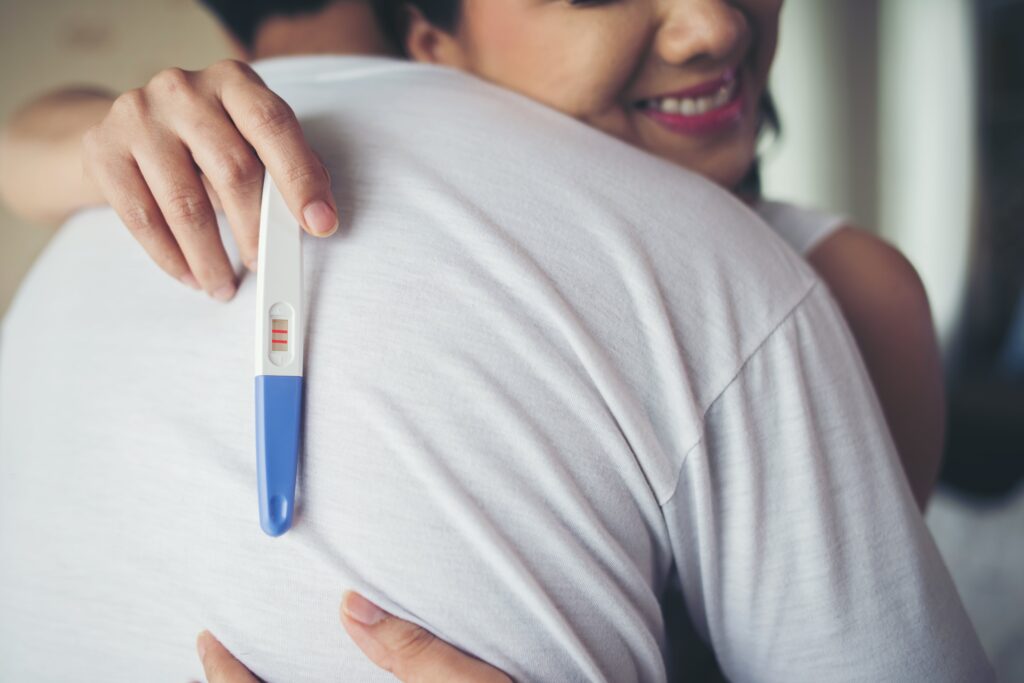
[548, 376]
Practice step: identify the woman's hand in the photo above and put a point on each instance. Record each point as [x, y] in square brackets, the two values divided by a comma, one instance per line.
[165, 153]
[404, 649]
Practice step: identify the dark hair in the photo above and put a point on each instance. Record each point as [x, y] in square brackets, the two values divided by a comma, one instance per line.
[443, 14]
[750, 185]
[243, 17]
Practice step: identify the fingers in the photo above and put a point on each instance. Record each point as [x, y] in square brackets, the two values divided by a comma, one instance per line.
[214, 199]
[218, 664]
[121, 182]
[171, 175]
[234, 174]
[270, 126]
[165, 150]
[411, 653]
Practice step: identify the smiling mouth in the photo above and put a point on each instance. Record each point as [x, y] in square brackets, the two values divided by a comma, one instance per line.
[694, 104]
[709, 109]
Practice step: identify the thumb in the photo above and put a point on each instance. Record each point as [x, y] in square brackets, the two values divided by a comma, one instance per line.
[411, 653]
[218, 664]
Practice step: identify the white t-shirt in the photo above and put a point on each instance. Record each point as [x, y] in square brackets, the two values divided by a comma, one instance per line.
[547, 375]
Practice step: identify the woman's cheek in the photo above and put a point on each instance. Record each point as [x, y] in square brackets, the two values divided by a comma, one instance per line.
[575, 78]
[501, 40]
[594, 80]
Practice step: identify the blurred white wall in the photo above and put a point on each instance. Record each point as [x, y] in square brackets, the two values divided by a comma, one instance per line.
[927, 175]
[827, 113]
[118, 44]
[877, 105]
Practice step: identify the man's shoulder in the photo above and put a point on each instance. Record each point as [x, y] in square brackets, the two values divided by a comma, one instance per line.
[433, 166]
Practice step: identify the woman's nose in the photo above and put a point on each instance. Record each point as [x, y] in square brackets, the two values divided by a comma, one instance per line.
[694, 31]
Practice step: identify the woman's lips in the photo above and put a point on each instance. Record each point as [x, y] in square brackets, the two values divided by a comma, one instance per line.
[706, 109]
[707, 88]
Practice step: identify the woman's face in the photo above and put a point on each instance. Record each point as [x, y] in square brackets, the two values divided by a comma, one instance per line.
[679, 78]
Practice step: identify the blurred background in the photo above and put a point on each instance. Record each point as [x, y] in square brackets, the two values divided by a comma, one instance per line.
[905, 115]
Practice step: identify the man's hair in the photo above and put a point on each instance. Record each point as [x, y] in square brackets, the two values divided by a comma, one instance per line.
[242, 18]
[393, 15]
[443, 14]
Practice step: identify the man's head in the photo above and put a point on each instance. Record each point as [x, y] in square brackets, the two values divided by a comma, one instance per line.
[272, 28]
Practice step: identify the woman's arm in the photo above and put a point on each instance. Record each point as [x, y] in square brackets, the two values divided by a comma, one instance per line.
[886, 307]
[163, 156]
[41, 176]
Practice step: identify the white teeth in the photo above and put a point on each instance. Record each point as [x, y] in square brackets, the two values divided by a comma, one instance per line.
[670, 105]
[721, 97]
[692, 106]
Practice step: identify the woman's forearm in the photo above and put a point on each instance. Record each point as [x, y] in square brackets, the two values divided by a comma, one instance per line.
[41, 176]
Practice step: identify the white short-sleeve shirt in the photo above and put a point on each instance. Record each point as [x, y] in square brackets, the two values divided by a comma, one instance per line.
[546, 376]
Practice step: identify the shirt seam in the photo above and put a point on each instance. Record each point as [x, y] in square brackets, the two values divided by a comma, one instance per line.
[739, 371]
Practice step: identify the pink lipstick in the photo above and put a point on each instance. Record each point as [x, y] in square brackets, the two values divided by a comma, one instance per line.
[706, 109]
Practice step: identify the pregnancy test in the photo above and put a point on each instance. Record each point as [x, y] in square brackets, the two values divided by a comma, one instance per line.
[279, 344]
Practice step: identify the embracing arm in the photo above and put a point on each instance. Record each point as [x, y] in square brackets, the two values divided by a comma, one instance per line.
[886, 306]
[41, 176]
[163, 156]
[400, 647]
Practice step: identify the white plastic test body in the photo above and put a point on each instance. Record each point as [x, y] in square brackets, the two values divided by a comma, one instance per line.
[279, 351]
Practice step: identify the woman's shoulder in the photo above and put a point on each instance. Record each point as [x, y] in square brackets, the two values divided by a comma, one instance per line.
[853, 252]
[866, 274]
[874, 283]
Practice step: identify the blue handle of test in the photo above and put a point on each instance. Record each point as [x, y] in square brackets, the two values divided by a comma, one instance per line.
[278, 417]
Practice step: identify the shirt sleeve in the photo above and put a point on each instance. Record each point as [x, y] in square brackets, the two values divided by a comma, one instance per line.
[800, 550]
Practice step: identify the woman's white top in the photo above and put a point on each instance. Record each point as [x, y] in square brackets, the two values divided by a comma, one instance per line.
[803, 228]
[548, 376]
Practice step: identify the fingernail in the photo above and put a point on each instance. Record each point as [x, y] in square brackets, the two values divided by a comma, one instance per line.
[201, 645]
[361, 609]
[251, 264]
[224, 293]
[190, 280]
[320, 218]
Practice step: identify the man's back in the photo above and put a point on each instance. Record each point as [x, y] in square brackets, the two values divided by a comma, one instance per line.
[534, 383]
